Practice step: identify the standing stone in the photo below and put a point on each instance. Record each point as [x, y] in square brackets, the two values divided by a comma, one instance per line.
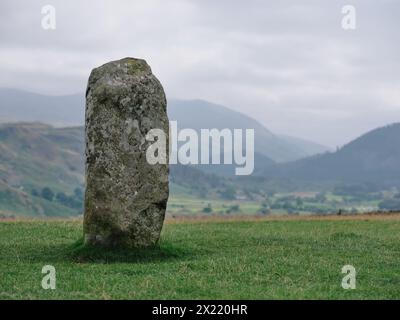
[126, 197]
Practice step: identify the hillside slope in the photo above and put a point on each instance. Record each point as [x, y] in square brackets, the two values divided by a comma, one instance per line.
[35, 156]
[305, 148]
[199, 114]
[374, 157]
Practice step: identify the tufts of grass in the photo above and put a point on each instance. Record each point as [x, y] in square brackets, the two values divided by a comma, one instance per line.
[83, 253]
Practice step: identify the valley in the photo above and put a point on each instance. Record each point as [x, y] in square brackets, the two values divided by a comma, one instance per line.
[42, 166]
[42, 174]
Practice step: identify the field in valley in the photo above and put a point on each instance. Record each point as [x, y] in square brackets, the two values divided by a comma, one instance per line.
[209, 258]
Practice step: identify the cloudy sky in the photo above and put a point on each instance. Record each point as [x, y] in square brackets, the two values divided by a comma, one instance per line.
[289, 64]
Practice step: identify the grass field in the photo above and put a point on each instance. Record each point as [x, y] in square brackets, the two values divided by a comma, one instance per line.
[211, 259]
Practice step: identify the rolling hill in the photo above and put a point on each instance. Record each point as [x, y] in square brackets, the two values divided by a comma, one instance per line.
[372, 158]
[35, 156]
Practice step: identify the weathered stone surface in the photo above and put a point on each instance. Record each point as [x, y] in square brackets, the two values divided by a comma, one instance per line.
[126, 197]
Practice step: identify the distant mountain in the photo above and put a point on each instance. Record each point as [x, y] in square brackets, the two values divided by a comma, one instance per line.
[199, 114]
[23, 106]
[68, 110]
[305, 147]
[374, 158]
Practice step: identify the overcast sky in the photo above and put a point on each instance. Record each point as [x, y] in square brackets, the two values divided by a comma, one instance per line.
[289, 64]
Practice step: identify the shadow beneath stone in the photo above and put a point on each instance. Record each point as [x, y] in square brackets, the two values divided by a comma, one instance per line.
[81, 253]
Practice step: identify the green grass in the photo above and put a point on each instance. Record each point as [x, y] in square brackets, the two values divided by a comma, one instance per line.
[178, 204]
[291, 259]
[188, 204]
[16, 203]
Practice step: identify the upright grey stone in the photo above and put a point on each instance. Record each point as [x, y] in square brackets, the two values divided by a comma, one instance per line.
[126, 197]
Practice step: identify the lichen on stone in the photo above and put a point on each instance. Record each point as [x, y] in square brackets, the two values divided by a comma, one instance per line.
[126, 197]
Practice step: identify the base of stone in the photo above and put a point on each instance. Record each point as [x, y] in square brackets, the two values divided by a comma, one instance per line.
[102, 241]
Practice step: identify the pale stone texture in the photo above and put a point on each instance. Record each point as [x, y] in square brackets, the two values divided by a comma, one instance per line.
[126, 197]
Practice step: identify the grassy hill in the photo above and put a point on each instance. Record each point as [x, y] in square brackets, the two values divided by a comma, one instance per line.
[254, 259]
[372, 158]
[15, 202]
[36, 156]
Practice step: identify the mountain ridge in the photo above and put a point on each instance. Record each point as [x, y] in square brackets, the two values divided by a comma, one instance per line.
[68, 110]
[373, 157]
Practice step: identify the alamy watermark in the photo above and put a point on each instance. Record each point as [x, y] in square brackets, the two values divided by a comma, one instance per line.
[225, 143]
[349, 280]
[349, 20]
[48, 21]
[49, 280]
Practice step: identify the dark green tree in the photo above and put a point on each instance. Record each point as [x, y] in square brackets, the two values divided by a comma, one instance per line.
[47, 194]
[62, 198]
[78, 193]
[207, 209]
